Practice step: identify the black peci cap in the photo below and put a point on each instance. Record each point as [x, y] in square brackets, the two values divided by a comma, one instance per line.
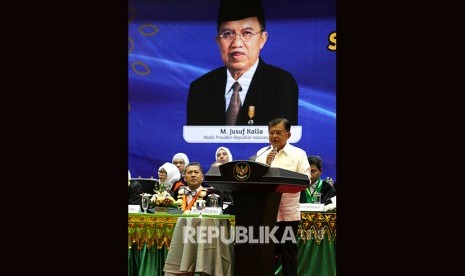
[232, 10]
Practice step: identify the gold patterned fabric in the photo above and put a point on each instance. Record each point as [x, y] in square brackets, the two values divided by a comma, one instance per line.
[150, 229]
[315, 225]
[157, 229]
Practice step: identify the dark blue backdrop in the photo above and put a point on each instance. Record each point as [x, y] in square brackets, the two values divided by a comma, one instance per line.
[172, 42]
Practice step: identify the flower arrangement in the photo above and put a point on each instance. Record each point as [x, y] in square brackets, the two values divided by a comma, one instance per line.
[164, 199]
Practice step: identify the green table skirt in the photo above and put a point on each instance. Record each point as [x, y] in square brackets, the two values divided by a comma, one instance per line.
[314, 259]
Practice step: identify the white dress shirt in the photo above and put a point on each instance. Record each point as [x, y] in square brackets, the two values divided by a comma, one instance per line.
[293, 159]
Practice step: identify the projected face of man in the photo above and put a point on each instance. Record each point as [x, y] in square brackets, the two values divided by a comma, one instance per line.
[240, 54]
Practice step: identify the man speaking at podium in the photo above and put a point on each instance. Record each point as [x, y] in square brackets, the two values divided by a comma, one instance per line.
[245, 90]
[281, 154]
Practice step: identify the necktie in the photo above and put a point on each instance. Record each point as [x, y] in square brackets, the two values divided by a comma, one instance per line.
[234, 105]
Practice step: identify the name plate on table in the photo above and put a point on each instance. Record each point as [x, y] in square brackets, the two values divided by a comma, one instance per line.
[133, 208]
[233, 134]
[312, 207]
[208, 211]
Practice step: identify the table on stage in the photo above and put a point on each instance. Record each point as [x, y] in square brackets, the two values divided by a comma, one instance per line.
[149, 239]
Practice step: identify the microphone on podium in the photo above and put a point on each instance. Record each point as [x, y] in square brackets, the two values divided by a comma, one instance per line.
[255, 159]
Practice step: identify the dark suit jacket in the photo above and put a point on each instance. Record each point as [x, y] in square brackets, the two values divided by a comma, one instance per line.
[134, 191]
[327, 192]
[273, 92]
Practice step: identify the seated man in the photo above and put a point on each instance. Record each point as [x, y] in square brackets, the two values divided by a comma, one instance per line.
[196, 188]
[317, 185]
[134, 191]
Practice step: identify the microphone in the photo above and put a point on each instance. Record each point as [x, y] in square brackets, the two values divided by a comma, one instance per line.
[275, 152]
[255, 159]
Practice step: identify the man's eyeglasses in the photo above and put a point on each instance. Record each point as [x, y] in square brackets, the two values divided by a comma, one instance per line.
[278, 133]
[246, 35]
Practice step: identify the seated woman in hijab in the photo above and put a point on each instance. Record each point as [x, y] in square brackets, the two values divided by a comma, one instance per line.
[222, 155]
[180, 160]
[168, 174]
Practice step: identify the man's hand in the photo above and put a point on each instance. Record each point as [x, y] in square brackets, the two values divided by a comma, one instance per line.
[270, 157]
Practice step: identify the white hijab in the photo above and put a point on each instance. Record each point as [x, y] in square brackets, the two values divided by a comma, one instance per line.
[226, 150]
[172, 174]
[181, 155]
[129, 178]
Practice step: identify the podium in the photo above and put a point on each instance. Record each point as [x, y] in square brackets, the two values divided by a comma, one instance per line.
[256, 190]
